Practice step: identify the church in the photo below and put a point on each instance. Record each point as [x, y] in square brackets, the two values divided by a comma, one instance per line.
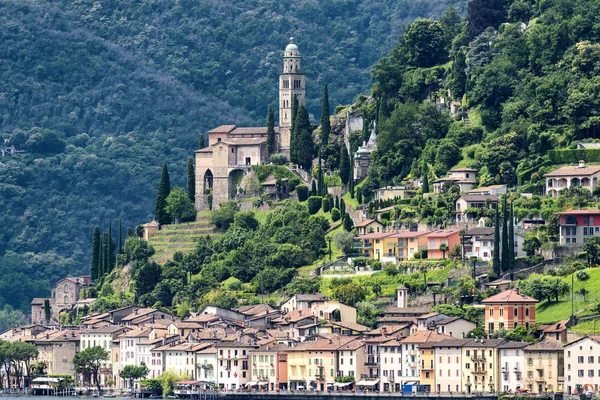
[233, 150]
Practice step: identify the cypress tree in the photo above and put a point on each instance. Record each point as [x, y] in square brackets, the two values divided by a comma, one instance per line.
[47, 311]
[351, 178]
[95, 261]
[111, 249]
[201, 141]
[511, 239]
[191, 180]
[337, 202]
[105, 255]
[325, 123]
[270, 131]
[342, 207]
[304, 140]
[504, 242]
[313, 189]
[331, 202]
[496, 260]
[344, 164]
[120, 244]
[348, 225]
[320, 182]
[366, 132]
[359, 198]
[293, 133]
[425, 174]
[164, 188]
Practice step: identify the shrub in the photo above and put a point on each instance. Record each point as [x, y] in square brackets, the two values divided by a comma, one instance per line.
[335, 214]
[582, 276]
[314, 204]
[578, 266]
[325, 204]
[279, 159]
[293, 183]
[390, 270]
[302, 191]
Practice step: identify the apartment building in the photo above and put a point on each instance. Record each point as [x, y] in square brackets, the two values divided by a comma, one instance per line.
[582, 365]
[512, 360]
[390, 355]
[480, 365]
[575, 226]
[269, 367]
[544, 367]
[446, 365]
[233, 370]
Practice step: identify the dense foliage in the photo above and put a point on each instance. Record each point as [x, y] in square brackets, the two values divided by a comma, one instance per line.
[100, 95]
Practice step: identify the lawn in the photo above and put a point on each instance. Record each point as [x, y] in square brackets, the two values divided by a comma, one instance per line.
[352, 201]
[548, 312]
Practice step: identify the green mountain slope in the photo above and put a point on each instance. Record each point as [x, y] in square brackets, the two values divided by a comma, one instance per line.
[100, 94]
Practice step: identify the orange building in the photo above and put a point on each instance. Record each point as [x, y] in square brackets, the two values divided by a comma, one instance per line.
[435, 239]
[509, 309]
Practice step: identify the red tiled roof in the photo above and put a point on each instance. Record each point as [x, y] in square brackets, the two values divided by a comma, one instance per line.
[367, 222]
[579, 212]
[574, 171]
[222, 129]
[408, 234]
[509, 296]
[374, 235]
[443, 233]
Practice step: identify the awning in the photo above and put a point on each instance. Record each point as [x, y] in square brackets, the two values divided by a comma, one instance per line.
[368, 383]
[346, 384]
[263, 383]
[252, 383]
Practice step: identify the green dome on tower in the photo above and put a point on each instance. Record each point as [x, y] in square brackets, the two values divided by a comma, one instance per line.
[292, 46]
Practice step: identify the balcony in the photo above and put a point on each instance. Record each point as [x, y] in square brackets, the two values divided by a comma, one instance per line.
[478, 358]
[412, 365]
[412, 352]
[479, 372]
[319, 377]
[371, 363]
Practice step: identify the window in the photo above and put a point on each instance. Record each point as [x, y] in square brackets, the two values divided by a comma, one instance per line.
[590, 373]
[516, 312]
[580, 359]
[591, 359]
[527, 312]
[491, 312]
[580, 373]
[501, 312]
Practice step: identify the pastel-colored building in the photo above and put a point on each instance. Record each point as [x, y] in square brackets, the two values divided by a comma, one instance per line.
[569, 176]
[369, 226]
[469, 202]
[371, 245]
[480, 365]
[435, 239]
[509, 309]
[582, 365]
[576, 226]
[464, 178]
[269, 367]
[446, 366]
[512, 361]
[544, 367]
[391, 193]
[408, 244]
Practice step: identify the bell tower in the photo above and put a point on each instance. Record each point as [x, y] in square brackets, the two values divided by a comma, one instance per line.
[291, 83]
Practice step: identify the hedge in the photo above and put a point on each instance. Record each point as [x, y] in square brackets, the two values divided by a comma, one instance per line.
[526, 175]
[302, 191]
[314, 204]
[572, 156]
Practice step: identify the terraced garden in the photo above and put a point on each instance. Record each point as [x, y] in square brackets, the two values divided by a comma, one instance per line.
[181, 237]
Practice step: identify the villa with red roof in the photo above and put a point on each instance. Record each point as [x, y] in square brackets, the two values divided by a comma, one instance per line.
[509, 309]
[568, 176]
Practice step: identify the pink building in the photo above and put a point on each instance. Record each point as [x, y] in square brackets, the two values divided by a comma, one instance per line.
[576, 225]
[435, 239]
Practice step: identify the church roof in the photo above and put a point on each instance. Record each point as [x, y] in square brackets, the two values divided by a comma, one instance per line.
[244, 141]
[259, 130]
[222, 129]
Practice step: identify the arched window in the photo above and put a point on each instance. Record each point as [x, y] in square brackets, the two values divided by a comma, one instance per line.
[66, 299]
[66, 288]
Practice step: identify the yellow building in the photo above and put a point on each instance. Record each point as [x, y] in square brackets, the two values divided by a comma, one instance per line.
[372, 245]
[315, 364]
[428, 366]
[544, 367]
[480, 365]
[408, 244]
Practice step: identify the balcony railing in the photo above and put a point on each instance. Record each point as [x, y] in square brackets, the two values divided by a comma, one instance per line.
[479, 371]
[371, 363]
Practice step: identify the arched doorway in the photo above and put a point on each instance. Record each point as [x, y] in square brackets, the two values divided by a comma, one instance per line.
[208, 181]
[235, 179]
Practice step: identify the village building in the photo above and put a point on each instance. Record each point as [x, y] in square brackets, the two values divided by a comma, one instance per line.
[104, 337]
[269, 367]
[464, 178]
[467, 205]
[572, 176]
[445, 367]
[507, 310]
[493, 190]
[435, 239]
[233, 370]
[64, 296]
[232, 150]
[368, 226]
[582, 365]
[544, 367]
[57, 349]
[575, 226]
[480, 365]
[393, 192]
[512, 361]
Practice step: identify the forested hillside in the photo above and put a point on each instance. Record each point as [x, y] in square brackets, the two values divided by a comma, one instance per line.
[100, 94]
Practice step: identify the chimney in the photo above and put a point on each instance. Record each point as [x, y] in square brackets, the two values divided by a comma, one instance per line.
[330, 341]
[581, 163]
[517, 290]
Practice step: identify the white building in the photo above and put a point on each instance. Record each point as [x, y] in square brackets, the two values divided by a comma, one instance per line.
[447, 366]
[128, 348]
[582, 365]
[232, 364]
[456, 327]
[102, 337]
[206, 365]
[512, 359]
[391, 365]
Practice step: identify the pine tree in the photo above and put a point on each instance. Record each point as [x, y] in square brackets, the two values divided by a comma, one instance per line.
[270, 131]
[496, 260]
[191, 180]
[344, 164]
[320, 181]
[425, 178]
[293, 133]
[120, 244]
[164, 188]
[304, 140]
[325, 123]
[95, 261]
[505, 258]
[313, 188]
[511, 239]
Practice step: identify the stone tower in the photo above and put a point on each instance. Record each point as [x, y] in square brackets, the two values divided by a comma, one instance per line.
[291, 82]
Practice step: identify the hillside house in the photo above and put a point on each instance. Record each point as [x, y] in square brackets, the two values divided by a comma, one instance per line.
[369, 226]
[465, 178]
[435, 239]
[507, 310]
[569, 176]
[575, 226]
[470, 202]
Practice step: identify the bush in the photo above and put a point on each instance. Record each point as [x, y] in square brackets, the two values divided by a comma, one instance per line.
[335, 214]
[325, 204]
[578, 266]
[279, 159]
[582, 276]
[314, 204]
[293, 183]
[390, 270]
[302, 191]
